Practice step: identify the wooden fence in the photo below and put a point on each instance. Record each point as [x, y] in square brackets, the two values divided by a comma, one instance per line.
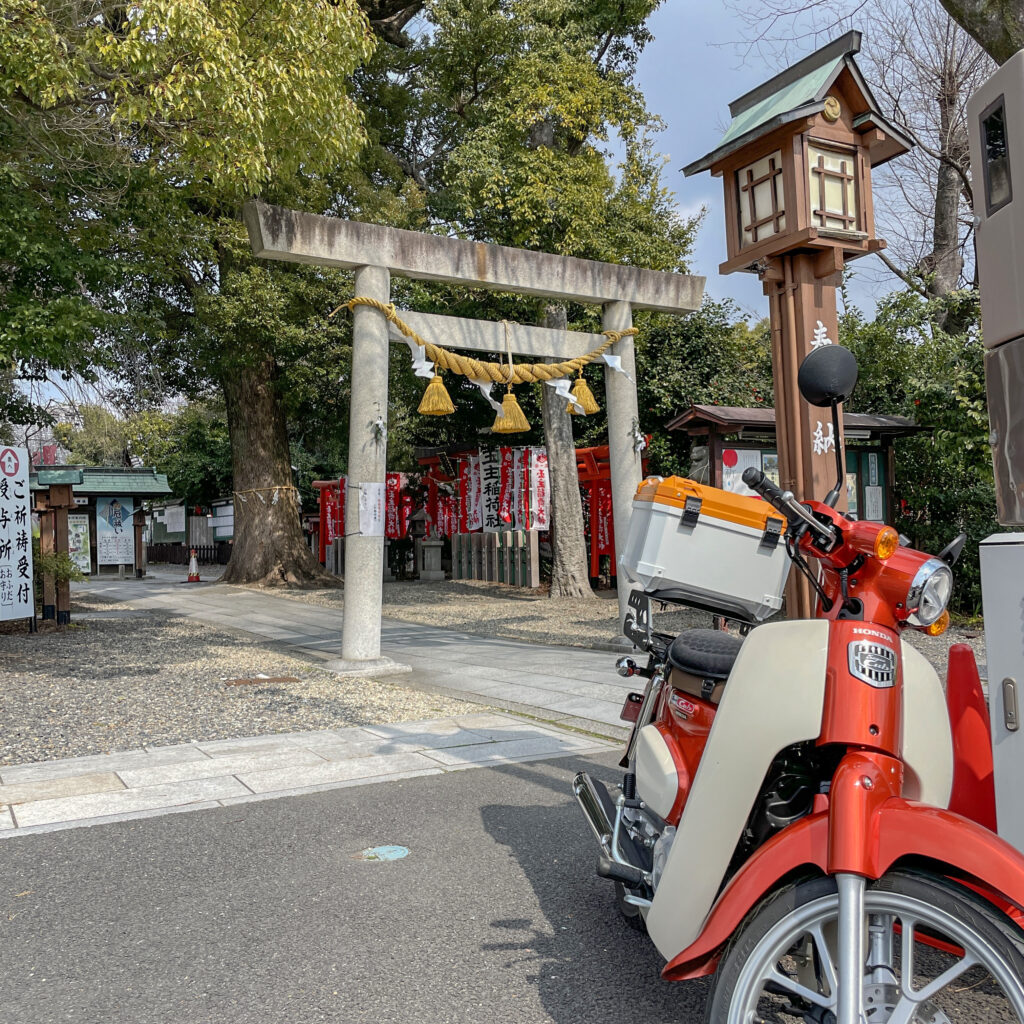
[511, 557]
[178, 554]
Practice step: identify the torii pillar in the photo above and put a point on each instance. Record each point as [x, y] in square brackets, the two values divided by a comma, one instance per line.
[376, 254]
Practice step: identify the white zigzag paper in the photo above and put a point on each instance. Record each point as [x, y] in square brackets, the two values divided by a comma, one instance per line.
[615, 362]
[485, 389]
[561, 386]
[421, 365]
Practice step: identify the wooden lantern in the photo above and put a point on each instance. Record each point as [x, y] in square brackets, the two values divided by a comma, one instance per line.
[796, 162]
[796, 165]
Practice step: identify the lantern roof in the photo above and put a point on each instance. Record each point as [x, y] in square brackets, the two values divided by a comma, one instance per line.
[799, 92]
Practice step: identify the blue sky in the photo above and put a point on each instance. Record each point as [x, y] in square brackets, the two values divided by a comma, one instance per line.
[689, 74]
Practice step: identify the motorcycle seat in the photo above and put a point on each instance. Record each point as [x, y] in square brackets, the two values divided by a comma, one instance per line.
[705, 653]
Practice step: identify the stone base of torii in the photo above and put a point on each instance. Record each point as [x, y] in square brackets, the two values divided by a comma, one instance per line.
[376, 253]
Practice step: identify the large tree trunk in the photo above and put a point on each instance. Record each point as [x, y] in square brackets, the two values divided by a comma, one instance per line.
[997, 25]
[945, 263]
[570, 573]
[269, 548]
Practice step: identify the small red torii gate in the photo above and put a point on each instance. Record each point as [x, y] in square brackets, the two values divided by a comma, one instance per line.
[594, 472]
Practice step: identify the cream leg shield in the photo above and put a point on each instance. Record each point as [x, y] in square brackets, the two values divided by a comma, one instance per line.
[774, 698]
[927, 738]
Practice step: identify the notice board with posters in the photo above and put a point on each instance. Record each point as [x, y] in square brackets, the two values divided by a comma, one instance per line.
[79, 546]
[16, 597]
[115, 538]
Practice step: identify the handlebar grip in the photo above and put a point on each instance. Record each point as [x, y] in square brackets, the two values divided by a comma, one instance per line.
[757, 481]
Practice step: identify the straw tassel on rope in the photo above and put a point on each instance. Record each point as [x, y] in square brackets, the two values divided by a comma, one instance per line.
[436, 401]
[582, 393]
[512, 419]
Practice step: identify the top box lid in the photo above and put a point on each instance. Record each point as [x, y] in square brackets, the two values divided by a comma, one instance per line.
[735, 508]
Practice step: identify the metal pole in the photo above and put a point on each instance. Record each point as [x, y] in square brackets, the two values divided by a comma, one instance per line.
[850, 969]
[367, 459]
[623, 416]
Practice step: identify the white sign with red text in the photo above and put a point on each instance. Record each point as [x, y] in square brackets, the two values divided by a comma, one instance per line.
[16, 599]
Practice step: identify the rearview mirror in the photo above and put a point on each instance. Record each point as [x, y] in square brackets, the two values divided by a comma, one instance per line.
[828, 375]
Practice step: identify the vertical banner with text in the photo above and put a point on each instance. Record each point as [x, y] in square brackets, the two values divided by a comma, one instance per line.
[506, 500]
[490, 489]
[16, 601]
[392, 525]
[476, 519]
[540, 490]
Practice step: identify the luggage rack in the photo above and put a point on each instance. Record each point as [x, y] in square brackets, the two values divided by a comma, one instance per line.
[638, 628]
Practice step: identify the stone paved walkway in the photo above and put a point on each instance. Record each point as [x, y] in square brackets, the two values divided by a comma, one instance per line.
[51, 795]
[568, 685]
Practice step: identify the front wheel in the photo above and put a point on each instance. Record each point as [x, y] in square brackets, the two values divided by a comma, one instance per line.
[935, 953]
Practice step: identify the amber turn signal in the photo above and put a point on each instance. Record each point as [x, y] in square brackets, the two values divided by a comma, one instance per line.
[886, 543]
[939, 626]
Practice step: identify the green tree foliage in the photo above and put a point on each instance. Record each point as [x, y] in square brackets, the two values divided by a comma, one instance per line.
[155, 122]
[500, 120]
[708, 358]
[190, 445]
[911, 367]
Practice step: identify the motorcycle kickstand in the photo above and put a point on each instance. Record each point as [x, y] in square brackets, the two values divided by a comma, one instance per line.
[850, 968]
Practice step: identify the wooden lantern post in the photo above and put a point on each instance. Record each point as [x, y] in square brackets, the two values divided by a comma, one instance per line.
[796, 168]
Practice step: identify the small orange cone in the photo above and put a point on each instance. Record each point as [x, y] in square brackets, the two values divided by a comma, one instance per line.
[193, 568]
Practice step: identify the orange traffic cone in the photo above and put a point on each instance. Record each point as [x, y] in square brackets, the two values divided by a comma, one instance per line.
[193, 568]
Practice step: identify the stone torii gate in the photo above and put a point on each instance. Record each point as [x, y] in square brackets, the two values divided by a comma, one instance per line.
[376, 253]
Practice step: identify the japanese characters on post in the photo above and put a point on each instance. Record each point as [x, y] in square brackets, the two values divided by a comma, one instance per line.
[16, 598]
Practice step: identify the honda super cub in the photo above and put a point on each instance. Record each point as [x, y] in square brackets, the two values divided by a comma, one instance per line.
[784, 821]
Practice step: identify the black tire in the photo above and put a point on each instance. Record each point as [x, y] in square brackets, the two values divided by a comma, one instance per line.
[970, 909]
[629, 913]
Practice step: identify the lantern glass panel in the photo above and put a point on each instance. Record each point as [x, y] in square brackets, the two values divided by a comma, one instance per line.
[761, 199]
[833, 188]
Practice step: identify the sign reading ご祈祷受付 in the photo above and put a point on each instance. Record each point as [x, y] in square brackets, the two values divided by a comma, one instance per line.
[16, 601]
[115, 538]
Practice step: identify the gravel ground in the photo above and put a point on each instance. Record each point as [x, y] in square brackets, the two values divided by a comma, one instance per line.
[111, 682]
[490, 609]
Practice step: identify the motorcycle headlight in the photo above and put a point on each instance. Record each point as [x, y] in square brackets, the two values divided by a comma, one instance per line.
[929, 593]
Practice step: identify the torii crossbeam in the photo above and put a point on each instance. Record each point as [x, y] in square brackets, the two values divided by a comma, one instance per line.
[376, 253]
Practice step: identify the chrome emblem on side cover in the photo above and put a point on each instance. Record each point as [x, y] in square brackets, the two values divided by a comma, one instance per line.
[874, 664]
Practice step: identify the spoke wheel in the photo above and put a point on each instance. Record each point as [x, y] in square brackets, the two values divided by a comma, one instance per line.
[935, 953]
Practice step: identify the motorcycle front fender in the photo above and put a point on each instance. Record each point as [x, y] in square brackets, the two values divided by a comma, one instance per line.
[905, 834]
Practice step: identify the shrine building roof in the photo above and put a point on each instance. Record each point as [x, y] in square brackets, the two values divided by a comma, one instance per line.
[144, 482]
[728, 419]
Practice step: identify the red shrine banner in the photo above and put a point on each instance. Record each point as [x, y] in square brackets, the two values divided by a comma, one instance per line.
[392, 492]
[332, 525]
[522, 491]
[476, 513]
[464, 474]
[540, 490]
[505, 495]
[601, 509]
[405, 511]
[447, 513]
[341, 495]
[431, 509]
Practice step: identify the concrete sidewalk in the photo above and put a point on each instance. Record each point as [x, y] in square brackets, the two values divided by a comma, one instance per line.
[52, 795]
[572, 686]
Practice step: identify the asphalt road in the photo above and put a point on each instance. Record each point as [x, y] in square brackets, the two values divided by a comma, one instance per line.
[260, 913]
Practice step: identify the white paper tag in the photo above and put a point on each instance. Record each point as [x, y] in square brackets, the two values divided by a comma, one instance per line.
[372, 499]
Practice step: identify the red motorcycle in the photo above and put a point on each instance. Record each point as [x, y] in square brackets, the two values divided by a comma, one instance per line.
[784, 821]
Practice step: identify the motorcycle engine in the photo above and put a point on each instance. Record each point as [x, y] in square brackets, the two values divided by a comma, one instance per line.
[661, 851]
